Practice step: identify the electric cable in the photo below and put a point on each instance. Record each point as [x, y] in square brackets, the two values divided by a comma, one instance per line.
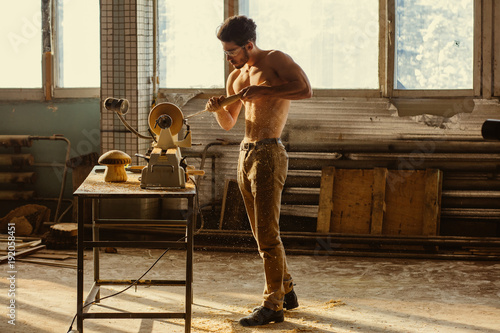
[127, 288]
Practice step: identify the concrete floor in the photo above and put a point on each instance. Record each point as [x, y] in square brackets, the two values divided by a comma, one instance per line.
[335, 294]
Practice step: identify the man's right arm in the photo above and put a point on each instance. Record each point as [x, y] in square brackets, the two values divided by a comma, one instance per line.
[228, 115]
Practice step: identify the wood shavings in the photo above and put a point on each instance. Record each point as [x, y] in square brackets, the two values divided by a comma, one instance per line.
[95, 186]
[333, 303]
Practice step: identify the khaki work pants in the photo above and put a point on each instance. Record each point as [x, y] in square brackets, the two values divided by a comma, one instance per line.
[262, 170]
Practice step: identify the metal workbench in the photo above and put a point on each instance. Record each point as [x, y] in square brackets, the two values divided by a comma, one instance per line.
[93, 189]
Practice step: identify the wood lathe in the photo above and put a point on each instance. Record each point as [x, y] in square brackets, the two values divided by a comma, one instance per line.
[165, 167]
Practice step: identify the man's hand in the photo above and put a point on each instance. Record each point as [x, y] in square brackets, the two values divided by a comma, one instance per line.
[213, 103]
[254, 92]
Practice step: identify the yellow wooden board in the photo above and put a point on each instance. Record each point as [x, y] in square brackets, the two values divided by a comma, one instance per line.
[404, 200]
[380, 201]
[352, 201]
[325, 200]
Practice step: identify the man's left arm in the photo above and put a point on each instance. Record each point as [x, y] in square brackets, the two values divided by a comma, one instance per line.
[296, 84]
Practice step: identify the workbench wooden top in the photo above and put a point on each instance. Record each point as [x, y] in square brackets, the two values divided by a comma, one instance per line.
[94, 186]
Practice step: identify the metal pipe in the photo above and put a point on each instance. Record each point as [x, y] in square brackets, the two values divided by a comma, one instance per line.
[70, 206]
[304, 163]
[64, 212]
[471, 184]
[215, 143]
[91, 297]
[18, 177]
[172, 283]
[155, 49]
[63, 182]
[16, 195]
[471, 213]
[15, 141]
[332, 238]
[398, 146]
[17, 159]
[345, 253]
[204, 156]
[26, 141]
[313, 239]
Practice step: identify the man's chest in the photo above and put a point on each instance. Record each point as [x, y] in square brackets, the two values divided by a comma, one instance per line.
[252, 76]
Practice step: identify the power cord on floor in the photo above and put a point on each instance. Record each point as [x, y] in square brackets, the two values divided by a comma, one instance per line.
[121, 291]
[70, 330]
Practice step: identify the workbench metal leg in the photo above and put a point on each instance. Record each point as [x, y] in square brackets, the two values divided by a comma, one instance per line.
[79, 275]
[189, 264]
[213, 184]
[95, 237]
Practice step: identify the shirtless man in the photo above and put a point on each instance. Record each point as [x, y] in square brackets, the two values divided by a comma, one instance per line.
[267, 80]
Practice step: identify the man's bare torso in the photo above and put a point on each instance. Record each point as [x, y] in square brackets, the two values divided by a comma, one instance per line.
[264, 117]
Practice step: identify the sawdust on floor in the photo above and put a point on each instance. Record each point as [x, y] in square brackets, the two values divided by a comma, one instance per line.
[335, 294]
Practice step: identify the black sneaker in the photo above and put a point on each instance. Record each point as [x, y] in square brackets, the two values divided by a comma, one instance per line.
[290, 301]
[262, 316]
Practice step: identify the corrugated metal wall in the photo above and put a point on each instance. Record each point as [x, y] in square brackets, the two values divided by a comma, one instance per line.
[322, 119]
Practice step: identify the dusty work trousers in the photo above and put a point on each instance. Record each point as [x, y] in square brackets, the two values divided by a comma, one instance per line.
[262, 170]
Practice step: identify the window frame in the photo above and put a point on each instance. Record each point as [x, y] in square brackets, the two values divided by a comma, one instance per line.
[483, 40]
[494, 52]
[61, 92]
[49, 89]
[425, 93]
[231, 7]
[486, 72]
[23, 94]
[29, 94]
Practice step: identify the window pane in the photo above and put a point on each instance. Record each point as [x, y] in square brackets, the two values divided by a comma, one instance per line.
[78, 43]
[334, 41]
[190, 54]
[21, 40]
[434, 44]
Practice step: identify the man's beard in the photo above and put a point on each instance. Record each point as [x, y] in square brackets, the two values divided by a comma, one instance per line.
[244, 60]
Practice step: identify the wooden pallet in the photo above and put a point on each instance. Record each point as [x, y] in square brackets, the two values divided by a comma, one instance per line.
[380, 201]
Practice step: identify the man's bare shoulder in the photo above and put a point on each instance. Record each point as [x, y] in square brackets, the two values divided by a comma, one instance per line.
[277, 56]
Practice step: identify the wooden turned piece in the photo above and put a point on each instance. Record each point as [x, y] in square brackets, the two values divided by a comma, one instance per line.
[115, 161]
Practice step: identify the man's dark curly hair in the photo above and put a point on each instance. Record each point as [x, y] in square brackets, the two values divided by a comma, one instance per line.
[238, 29]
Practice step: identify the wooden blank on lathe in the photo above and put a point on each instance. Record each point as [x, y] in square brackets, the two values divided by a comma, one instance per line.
[380, 201]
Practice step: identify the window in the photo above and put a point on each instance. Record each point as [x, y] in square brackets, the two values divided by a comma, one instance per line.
[21, 56]
[49, 45]
[334, 41]
[190, 55]
[434, 44]
[405, 48]
[78, 47]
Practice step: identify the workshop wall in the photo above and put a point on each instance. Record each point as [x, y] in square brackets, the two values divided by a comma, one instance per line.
[76, 119]
[329, 120]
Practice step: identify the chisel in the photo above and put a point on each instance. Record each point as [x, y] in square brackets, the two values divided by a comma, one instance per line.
[227, 101]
